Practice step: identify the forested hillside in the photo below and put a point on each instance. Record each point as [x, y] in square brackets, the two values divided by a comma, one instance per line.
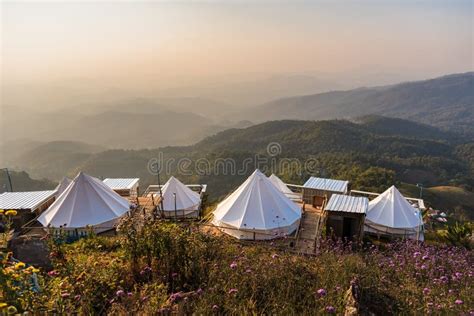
[373, 154]
[21, 181]
[50, 160]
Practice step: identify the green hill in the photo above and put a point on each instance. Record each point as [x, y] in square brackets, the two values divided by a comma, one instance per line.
[449, 198]
[21, 181]
[341, 149]
[52, 160]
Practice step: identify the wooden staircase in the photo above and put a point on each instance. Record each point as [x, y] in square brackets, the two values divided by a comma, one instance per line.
[310, 229]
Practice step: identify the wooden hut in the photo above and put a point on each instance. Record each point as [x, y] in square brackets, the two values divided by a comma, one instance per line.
[126, 187]
[318, 190]
[27, 204]
[345, 216]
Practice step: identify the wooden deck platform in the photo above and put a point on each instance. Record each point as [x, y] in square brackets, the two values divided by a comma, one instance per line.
[309, 230]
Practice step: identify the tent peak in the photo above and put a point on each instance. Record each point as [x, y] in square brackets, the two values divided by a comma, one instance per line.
[257, 171]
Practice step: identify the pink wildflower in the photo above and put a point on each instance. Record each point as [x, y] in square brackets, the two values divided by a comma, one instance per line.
[120, 293]
[233, 291]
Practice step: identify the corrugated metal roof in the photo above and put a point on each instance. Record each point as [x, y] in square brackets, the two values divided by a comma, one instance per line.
[326, 184]
[121, 183]
[24, 200]
[348, 204]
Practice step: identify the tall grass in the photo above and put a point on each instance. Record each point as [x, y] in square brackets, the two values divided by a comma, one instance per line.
[165, 268]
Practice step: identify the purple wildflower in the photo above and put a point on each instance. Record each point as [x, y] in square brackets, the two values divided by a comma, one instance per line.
[176, 297]
[233, 265]
[65, 295]
[458, 302]
[274, 256]
[426, 291]
[120, 293]
[330, 309]
[321, 292]
[215, 307]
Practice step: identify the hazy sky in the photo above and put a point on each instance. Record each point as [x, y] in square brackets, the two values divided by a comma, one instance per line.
[123, 40]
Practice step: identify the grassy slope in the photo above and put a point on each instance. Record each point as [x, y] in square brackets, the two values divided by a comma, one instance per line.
[444, 197]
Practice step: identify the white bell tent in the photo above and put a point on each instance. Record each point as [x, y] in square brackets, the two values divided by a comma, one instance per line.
[179, 200]
[282, 187]
[392, 215]
[62, 186]
[257, 210]
[87, 201]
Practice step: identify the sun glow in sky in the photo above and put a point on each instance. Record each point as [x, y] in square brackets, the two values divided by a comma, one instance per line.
[42, 41]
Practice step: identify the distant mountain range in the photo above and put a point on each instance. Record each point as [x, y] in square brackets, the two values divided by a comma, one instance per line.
[446, 102]
[131, 124]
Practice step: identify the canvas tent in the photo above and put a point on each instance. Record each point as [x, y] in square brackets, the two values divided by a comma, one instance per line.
[257, 210]
[179, 200]
[62, 186]
[282, 187]
[390, 214]
[87, 201]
